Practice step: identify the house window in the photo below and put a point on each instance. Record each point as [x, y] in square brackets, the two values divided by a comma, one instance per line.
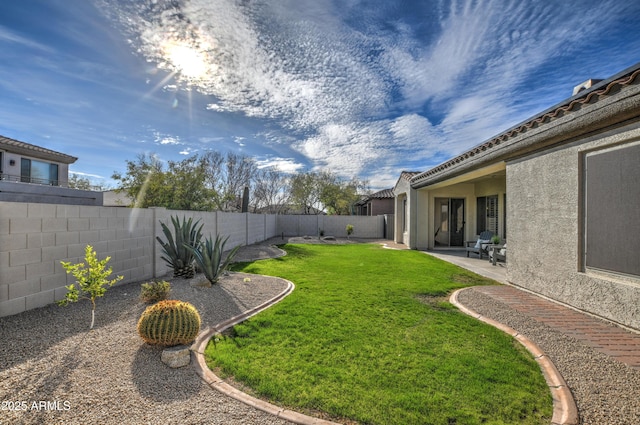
[504, 215]
[32, 171]
[612, 210]
[487, 214]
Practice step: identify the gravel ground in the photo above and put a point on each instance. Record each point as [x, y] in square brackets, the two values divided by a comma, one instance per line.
[607, 392]
[57, 372]
[108, 375]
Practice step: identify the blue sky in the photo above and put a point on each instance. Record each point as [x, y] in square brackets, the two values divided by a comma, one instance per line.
[361, 88]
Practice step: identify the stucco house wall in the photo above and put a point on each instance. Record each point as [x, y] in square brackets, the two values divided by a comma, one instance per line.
[405, 198]
[34, 184]
[381, 206]
[544, 219]
[404, 230]
[561, 242]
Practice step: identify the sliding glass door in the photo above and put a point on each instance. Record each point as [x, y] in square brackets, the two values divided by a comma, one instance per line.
[449, 222]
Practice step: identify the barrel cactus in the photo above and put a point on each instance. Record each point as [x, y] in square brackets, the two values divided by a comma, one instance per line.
[169, 323]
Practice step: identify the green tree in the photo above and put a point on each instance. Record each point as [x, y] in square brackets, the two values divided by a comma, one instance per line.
[82, 183]
[145, 182]
[313, 191]
[197, 183]
[338, 195]
[305, 192]
[78, 182]
[187, 186]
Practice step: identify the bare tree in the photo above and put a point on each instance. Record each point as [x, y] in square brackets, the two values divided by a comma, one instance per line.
[227, 177]
[270, 191]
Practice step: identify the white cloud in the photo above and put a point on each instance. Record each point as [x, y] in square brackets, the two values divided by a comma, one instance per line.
[166, 139]
[330, 84]
[88, 175]
[286, 165]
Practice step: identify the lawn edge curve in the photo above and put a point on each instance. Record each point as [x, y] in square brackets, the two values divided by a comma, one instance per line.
[200, 365]
[565, 411]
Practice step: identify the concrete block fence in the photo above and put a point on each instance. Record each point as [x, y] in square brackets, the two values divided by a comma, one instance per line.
[366, 227]
[35, 237]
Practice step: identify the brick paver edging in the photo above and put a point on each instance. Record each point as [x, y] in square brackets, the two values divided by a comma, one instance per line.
[565, 411]
[217, 383]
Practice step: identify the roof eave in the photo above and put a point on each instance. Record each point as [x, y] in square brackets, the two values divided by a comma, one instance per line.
[588, 111]
[34, 151]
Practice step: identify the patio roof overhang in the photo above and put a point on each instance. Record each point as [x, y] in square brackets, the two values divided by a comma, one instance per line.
[491, 171]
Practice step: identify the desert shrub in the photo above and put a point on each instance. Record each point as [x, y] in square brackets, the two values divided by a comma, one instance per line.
[176, 255]
[349, 230]
[155, 291]
[209, 257]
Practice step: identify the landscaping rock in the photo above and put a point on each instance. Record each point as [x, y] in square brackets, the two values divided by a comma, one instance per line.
[178, 356]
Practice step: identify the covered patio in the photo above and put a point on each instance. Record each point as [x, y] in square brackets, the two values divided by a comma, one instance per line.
[459, 258]
[482, 267]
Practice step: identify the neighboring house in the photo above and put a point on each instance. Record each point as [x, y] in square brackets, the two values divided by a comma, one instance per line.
[379, 203]
[561, 187]
[30, 173]
[114, 198]
[26, 163]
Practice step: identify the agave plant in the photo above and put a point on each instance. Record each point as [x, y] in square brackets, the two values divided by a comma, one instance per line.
[209, 255]
[179, 258]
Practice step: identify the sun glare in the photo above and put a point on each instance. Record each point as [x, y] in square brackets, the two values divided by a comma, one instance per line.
[190, 62]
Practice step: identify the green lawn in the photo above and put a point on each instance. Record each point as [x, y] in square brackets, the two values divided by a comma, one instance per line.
[369, 337]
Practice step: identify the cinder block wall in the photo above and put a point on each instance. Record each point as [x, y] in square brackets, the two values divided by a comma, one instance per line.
[241, 229]
[333, 225]
[36, 237]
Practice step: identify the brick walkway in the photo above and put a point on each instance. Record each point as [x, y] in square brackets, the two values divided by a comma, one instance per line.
[616, 342]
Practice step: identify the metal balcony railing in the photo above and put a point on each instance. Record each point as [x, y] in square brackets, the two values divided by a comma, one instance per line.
[26, 179]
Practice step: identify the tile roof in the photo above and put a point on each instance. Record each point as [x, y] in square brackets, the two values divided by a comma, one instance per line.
[574, 103]
[382, 194]
[408, 175]
[28, 149]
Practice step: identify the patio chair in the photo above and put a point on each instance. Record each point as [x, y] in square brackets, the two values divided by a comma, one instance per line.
[498, 253]
[480, 246]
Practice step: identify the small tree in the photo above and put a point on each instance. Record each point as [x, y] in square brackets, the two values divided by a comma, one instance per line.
[91, 279]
